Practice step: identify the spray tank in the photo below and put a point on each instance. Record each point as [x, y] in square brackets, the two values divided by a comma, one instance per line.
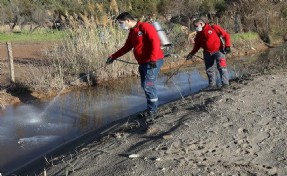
[165, 42]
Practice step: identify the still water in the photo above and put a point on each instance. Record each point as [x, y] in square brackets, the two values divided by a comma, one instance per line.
[29, 130]
[26, 132]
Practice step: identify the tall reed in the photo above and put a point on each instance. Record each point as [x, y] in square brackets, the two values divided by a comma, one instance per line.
[86, 50]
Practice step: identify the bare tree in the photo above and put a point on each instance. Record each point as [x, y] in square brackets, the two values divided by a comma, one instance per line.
[39, 17]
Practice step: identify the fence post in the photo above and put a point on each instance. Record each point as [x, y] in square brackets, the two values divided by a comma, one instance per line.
[11, 63]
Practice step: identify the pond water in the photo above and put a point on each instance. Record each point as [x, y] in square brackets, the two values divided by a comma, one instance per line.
[29, 130]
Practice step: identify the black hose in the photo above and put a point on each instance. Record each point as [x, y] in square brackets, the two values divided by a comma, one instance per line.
[127, 62]
[177, 70]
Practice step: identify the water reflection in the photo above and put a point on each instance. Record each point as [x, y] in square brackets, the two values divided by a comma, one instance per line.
[26, 132]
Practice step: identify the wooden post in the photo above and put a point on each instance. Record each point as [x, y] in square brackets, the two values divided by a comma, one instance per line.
[11, 63]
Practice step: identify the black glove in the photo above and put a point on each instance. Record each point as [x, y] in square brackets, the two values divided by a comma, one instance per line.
[227, 49]
[109, 60]
[189, 56]
[152, 64]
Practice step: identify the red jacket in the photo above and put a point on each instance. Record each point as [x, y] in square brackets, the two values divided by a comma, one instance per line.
[209, 40]
[144, 41]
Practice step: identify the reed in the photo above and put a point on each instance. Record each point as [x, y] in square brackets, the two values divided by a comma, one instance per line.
[86, 50]
[83, 53]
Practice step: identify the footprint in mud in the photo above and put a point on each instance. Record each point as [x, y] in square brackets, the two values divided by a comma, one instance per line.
[242, 133]
[242, 130]
[243, 145]
[227, 124]
[270, 170]
[213, 151]
[242, 151]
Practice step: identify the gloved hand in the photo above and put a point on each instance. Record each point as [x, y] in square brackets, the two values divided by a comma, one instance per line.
[152, 64]
[109, 60]
[227, 49]
[189, 56]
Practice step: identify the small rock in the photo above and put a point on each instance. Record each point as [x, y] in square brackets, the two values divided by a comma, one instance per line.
[152, 130]
[229, 99]
[134, 156]
[274, 91]
[118, 135]
[166, 137]
[240, 130]
[192, 146]
[157, 159]
[176, 144]
[186, 124]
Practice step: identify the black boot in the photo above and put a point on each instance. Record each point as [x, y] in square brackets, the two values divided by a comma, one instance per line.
[211, 88]
[148, 115]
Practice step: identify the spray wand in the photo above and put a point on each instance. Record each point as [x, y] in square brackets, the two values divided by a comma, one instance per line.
[177, 70]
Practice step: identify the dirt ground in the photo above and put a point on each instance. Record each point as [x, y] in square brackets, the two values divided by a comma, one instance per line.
[23, 54]
[237, 131]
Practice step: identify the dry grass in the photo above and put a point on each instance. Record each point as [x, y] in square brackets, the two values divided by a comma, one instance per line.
[83, 53]
[82, 56]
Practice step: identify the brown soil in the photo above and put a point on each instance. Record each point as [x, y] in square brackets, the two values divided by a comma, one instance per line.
[22, 54]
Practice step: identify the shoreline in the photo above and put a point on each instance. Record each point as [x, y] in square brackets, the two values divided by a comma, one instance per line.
[247, 92]
[16, 95]
[210, 133]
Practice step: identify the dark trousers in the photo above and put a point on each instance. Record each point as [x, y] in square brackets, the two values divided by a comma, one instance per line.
[148, 78]
[216, 62]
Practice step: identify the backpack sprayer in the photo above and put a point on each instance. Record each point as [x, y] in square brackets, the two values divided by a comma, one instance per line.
[165, 43]
[164, 40]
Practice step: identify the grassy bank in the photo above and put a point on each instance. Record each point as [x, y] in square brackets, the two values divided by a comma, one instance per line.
[244, 36]
[37, 36]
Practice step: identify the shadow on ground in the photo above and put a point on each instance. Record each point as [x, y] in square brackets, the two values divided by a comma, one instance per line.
[20, 91]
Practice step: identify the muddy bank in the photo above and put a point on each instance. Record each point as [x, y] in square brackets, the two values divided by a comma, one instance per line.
[240, 130]
[34, 53]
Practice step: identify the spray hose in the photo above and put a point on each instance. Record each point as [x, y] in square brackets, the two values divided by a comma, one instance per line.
[177, 70]
[127, 62]
[166, 55]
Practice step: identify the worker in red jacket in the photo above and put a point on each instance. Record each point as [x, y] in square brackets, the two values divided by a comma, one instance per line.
[215, 42]
[145, 43]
